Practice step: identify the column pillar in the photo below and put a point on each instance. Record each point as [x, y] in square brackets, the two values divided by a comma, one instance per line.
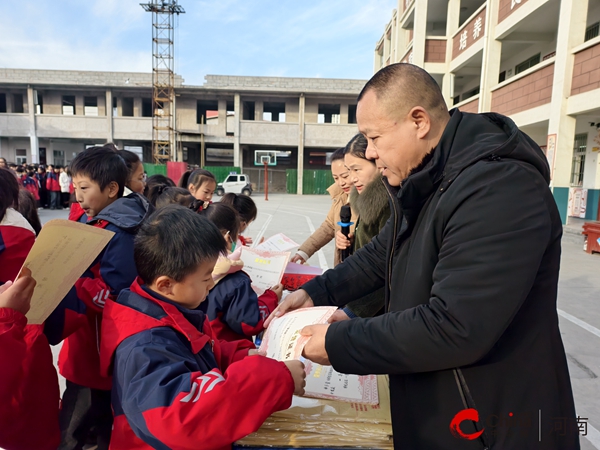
[301, 108]
[237, 154]
[492, 54]
[419, 33]
[109, 116]
[561, 127]
[33, 140]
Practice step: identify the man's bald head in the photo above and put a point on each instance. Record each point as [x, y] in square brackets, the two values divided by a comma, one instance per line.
[400, 87]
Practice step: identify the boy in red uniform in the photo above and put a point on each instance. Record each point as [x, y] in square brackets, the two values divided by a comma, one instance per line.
[99, 176]
[175, 384]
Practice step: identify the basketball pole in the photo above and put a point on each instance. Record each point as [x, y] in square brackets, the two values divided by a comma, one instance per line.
[266, 181]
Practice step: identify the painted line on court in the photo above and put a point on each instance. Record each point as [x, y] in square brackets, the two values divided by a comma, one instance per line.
[593, 436]
[311, 227]
[581, 323]
[262, 231]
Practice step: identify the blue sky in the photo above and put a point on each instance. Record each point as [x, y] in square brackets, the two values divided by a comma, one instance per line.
[329, 39]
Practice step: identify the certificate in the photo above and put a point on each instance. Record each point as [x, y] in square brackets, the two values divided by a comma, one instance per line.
[278, 243]
[265, 268]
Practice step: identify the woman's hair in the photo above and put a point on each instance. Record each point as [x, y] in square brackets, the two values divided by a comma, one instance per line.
[28, 209]
[196, 177]
[357, 147]
[155, 185]
[174, 195]
[243, 204]
[131, 161]
[338, 154]
[224, 217]
[9, 191]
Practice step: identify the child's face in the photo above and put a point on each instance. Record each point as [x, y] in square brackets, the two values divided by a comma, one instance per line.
[137, 183]
[192, 290]
[90, 197]
[205, 191]
[244, 225]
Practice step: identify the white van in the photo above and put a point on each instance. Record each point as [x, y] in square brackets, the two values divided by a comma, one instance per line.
[236, 183]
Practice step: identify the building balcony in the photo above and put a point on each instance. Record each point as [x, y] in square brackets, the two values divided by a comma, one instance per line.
[468, 40]
[14, 125]
[585, 85]
[470, 105]
[132, 128]
[71, 127]
[527, 90]
[269, 133]
[435, 49]
[328, 134]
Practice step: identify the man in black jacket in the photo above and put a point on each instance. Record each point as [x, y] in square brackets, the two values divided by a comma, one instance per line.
[470, 260]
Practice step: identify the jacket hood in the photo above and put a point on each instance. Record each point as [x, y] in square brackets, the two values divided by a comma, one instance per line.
[127, 213]
[134, 311]
[372, 203]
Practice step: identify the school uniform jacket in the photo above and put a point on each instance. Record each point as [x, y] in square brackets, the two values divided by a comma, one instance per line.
[113, 270]
[52, 183]
[235, 311]
[31, 185]
[16, 239]
[175, 385]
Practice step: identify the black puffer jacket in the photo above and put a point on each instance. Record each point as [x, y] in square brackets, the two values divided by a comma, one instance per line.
[470, 261]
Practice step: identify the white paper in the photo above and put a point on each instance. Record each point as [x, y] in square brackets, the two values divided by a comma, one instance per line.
[282, 341]
[265, 268]
[278, 243]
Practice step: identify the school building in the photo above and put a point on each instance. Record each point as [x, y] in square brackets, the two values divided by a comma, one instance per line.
[49, 116]
[536, 61]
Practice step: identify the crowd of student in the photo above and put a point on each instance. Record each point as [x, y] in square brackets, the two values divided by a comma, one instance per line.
[157, 335]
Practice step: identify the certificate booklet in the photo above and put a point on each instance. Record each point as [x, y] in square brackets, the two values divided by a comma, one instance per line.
[265, 268]
[282, 341]
[278, 243]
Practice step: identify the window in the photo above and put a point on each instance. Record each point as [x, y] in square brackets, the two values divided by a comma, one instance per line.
[59, 157]
[115, 110]
[351, 113]
[456, 100]
[470, 93]
[127, 107]
[248, 110]
[21, 156]
[232, 179]
[274, 111]
[90, 106]
[207, 111]
[68, 105]
[39, 103]
[18, 103]
[592, 31]
[146, 107]
[2, 103]
[579, 150]
[328, 114]
[527, 64]
[502, 77]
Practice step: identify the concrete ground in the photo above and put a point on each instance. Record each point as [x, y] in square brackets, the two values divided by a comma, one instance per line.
[578, 296]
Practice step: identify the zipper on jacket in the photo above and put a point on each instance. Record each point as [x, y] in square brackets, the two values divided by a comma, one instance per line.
[390, 261]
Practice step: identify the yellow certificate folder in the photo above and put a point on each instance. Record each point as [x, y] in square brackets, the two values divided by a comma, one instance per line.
[62, 252]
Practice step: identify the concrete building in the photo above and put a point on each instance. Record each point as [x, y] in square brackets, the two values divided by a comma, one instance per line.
[536, 61]
[49, 116]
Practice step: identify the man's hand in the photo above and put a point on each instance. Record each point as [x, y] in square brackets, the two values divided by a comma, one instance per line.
[342, 242]
[298, 259]
[315, 347]
[278, 289]
[338, 316]
[18, 295]
[295, 300]
[297, 370]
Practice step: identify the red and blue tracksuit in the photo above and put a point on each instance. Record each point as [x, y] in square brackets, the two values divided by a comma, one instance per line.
[113, 270]
[175, 384]
[31, 185]
[29, 392]
[235, 311]
[52, 183]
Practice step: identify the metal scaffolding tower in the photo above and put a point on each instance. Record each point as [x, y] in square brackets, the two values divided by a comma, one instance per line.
[163, 77]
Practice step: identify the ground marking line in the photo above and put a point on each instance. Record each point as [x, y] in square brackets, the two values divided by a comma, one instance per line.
[262, 230]
[581, 323]
[593, 436]
[311, 227]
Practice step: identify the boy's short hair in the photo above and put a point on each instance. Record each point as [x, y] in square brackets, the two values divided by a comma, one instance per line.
[102, 165]
[173, 242]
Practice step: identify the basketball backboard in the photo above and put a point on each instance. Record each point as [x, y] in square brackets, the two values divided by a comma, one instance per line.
[262, 156]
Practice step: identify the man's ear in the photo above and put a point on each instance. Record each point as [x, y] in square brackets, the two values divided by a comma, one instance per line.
[164, 285]
[421, 120]
[113, 189]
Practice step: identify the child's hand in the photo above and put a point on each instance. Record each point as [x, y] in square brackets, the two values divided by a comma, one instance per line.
[298, 259]
[18, 295]
[297, 369]
[248, 241]
[278, 289]
[255, 351]
[342, 242]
